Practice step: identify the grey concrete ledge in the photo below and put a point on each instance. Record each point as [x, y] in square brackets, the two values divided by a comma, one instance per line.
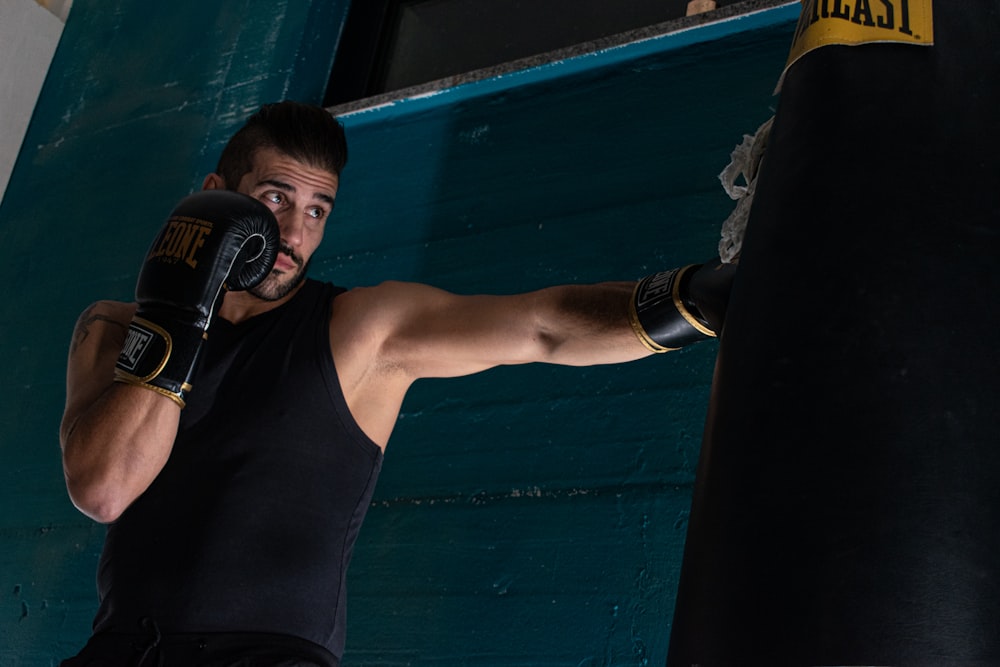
[584, 48]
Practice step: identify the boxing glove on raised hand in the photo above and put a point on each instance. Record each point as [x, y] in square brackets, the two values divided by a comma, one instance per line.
[215, 240]
[675, 308]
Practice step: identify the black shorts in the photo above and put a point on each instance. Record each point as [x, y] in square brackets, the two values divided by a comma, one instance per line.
[200, 650]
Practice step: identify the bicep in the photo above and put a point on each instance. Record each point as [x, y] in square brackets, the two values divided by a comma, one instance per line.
[439, 334]
[448, 335]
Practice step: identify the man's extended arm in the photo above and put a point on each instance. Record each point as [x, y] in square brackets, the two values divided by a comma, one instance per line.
[422, 331]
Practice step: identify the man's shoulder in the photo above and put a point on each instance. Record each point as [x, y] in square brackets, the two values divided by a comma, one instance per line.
[382, 307]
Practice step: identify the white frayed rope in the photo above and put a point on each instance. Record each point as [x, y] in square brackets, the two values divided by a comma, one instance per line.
[744, 162]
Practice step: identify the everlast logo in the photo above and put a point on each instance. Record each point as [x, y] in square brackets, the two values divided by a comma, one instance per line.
[885, 14]
[181, 240]
[136, 342]
[853, 22]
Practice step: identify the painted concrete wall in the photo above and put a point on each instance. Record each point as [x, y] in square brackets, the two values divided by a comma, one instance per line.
[536, 516]
[140, 98]
[530, 515]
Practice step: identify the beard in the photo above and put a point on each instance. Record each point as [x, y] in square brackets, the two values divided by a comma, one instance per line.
[277, 285]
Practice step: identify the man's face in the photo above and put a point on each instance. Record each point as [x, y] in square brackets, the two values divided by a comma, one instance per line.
[301, 198]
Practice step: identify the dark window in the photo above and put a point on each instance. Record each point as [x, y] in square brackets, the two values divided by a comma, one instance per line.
[389, 45]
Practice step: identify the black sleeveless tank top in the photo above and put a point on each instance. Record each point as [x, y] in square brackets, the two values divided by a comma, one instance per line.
[251, 524]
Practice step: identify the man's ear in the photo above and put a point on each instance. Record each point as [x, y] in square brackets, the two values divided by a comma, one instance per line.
[213, 182]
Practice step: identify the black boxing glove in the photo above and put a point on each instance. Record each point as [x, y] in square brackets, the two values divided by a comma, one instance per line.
[214, 240]
[675, 308]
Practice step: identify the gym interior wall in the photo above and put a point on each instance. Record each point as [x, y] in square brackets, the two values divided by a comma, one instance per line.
[529, 515]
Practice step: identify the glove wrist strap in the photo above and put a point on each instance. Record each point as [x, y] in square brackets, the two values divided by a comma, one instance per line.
[660, 316]
[156, 359]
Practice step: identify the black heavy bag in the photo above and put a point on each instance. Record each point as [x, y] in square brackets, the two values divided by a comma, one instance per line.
[847, 503]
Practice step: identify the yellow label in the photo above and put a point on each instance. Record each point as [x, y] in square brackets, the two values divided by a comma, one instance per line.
[851, 22]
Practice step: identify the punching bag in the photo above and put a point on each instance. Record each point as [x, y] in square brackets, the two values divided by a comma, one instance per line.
[846, 508]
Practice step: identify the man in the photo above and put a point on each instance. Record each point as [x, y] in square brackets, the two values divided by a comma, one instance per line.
[230, 425]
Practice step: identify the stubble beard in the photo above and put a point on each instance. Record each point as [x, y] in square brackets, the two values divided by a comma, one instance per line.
[277, 285]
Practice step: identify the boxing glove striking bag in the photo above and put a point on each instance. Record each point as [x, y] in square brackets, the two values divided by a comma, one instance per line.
[846, 508]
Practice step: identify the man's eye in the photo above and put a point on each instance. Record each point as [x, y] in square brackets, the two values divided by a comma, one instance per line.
[274, 197]
[316, 213]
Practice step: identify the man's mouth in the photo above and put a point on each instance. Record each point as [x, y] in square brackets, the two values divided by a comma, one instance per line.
[287, 259]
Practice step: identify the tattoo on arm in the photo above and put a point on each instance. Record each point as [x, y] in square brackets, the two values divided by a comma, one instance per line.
[84, 323]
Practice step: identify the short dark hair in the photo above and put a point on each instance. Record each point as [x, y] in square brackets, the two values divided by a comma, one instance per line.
[303, 132]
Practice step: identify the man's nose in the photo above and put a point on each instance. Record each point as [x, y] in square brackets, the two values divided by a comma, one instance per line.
[290, 227]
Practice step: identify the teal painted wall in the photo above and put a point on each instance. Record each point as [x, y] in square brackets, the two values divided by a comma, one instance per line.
[139, 99]
[526, 516]
[536, 515]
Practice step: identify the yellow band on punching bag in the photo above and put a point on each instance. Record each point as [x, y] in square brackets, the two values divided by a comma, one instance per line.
[852, 22]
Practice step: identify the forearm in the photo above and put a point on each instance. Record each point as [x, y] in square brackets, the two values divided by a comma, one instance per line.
[583, 325]
[131, 366]
[114, 449]
[663, 312]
